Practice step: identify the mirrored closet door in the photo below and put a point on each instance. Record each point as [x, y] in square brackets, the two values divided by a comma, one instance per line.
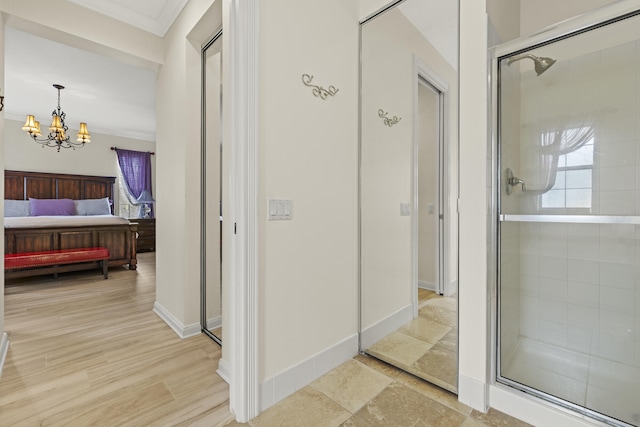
[211, 194]
[408, 188]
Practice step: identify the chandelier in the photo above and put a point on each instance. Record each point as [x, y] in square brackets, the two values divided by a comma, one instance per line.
[57, 131]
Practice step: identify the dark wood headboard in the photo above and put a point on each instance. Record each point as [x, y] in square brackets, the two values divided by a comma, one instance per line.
[20, 185]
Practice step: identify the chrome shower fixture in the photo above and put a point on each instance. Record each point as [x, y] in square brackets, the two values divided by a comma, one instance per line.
[541, 63]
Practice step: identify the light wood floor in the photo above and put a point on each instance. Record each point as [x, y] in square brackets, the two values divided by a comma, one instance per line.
[88, 351]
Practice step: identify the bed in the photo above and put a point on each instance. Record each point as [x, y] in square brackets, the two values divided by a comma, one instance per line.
[57, 232]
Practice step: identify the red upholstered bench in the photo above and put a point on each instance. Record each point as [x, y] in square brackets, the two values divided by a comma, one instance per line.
[24, 260]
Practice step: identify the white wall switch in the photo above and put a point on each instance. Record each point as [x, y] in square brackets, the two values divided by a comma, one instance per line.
[280, 209]
[405, 209]
[430, 208]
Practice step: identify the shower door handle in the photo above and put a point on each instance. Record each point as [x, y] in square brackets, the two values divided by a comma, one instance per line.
[513, 181]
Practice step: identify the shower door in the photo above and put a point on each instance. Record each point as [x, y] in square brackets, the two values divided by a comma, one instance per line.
[568, 174]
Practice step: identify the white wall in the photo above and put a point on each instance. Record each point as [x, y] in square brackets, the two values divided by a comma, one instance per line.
[308, 154]
[473, 320]
[537, 14]
[178, 152]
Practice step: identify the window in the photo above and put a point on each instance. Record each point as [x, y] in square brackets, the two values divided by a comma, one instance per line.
[573, 178]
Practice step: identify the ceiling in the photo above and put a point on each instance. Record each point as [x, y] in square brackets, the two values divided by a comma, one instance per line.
[113, 98]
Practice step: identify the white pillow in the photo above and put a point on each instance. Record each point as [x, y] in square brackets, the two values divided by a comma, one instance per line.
[17, 208]
[93, 206]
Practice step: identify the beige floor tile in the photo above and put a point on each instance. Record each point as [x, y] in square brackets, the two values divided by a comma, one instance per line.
[438, 314]
[447, 303]
[352, 384]
[471, 422]
[436, 393]
[495, 418]
[354, 422]
[425, 330]
[399, 405]
[380, 366]
[306, 407]
[399, 348]
[439, 365]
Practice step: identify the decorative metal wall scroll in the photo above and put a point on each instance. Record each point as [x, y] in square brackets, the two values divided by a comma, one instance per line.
[319, 90]
[389, 121]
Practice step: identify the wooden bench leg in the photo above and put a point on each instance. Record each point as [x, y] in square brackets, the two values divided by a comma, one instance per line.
[105, 268]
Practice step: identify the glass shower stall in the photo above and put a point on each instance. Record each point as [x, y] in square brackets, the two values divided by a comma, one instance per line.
[568, 219]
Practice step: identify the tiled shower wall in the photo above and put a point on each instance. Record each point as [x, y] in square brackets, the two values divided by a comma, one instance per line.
[579, 284]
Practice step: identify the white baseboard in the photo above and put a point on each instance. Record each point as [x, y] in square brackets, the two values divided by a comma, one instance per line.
[224, 371]
[214, 322]
[534, 411]
[287, 382]
[4, 349]
[384, 327]
[426, 285]
[473, 393]
[175, 324]
[452, 289]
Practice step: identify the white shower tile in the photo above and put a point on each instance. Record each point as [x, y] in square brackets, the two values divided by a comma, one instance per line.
[530, 285]
[529, 244]
[530, 306]
[584, 317]
[553, 229]
[583, 271]
[618, 250]
[616, 128]
[585, 248]
[580, 339]
[554, 289]
[584, 294]
[616, 154]
[530, 327]
[617, 348]
[621, 231]
[618, 275]
[555, 246]
[553, 267]
[617, 202]
[583, 230]
[617, 324]
[553, 333]
[553, 311]
[617, 299]
[530, 265]
[617, 178]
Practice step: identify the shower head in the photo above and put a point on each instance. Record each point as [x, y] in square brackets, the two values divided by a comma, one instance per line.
[541, 64]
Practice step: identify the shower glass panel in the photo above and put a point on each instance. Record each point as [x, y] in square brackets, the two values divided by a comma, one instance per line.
[569, 221]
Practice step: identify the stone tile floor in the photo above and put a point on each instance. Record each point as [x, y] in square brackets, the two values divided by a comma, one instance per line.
[367, 392]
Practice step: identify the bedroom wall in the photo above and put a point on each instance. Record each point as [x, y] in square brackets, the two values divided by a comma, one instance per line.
[178, 148]
[308, 154]
[95, 158]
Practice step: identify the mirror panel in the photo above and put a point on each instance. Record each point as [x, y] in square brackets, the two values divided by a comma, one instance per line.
[211, 304]
[408, 188]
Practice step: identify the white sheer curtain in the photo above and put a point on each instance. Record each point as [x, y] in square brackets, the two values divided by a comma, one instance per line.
[551, 143]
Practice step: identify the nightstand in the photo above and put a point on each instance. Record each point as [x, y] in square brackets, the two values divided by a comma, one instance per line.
[146, 234]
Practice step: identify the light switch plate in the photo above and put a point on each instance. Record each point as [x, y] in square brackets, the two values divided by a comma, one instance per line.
[405, 209]
[280, 209]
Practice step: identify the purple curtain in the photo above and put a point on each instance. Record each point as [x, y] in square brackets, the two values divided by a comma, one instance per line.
[136, 171]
